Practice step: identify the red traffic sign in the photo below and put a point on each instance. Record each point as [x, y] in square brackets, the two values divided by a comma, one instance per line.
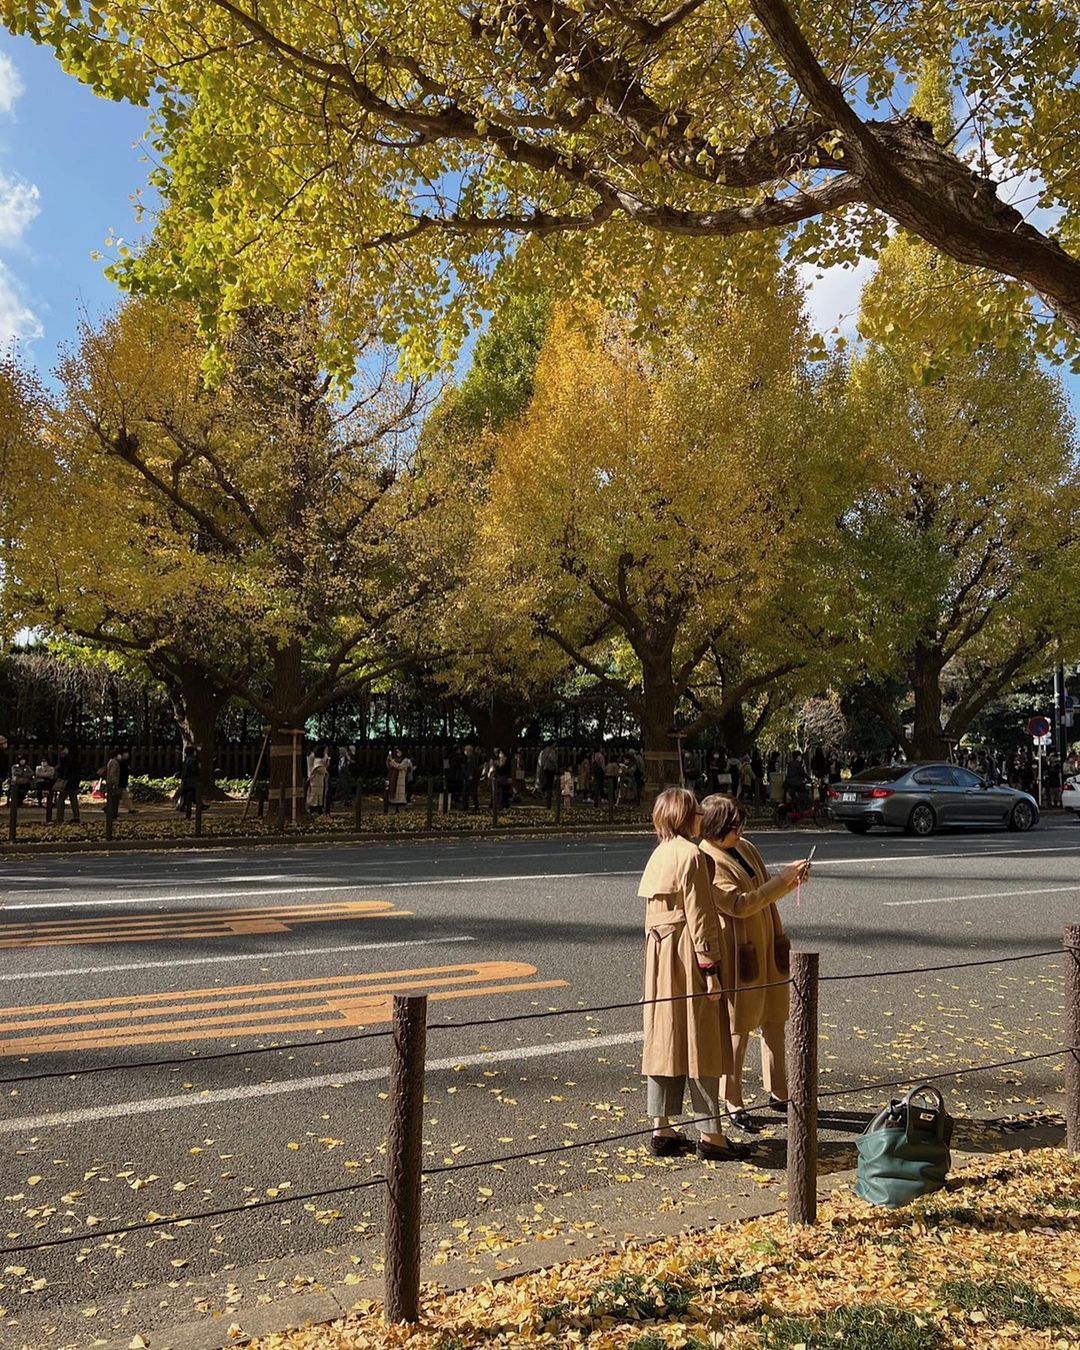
[1038, 726]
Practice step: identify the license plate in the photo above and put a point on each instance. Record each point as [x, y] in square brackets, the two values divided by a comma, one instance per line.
[847, 797]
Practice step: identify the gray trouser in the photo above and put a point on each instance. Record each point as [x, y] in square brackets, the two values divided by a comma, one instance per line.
[664, 1097]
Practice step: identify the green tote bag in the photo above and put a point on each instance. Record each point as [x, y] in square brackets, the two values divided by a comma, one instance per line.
[904, 1152]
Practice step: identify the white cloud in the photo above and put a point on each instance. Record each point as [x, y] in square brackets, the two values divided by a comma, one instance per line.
[18, 322]
[11, 86]
[20, 202]
[833, 295]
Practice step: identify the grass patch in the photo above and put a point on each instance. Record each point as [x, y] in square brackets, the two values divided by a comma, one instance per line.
[1071, 1202]
[1009, 1301]
[552, 1313]
[854, 1328]
[649, 1342]
[635, 1296]
[710, 1275]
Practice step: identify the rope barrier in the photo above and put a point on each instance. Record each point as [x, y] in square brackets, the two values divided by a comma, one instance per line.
[957, 965]
[180, 1061]
[195, 1059]
[951, 1073]
[163, 1222]
[201, 1215]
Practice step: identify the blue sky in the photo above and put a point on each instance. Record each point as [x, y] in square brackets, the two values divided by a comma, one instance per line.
[69, 166]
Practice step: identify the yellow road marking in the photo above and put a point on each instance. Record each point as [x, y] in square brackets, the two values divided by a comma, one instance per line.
[194, 923]
[267, 1009]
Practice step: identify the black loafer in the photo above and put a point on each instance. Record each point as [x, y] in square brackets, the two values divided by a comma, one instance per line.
[777, 1104]
[743, 1120]
[669, 1145]
[730, 1152]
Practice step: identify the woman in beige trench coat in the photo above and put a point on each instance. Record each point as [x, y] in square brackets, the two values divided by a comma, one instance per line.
[753, 948]
[686, 1028]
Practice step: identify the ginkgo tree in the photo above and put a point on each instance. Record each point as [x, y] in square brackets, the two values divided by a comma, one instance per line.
[659, 508]
[412, 151]
[972, 512]
[255, 537]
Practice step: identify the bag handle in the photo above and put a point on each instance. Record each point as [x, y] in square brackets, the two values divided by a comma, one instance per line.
[925, 1090]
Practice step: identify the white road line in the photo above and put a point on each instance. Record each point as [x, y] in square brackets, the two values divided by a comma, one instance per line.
[871, 858]
[986, 895]
[218, 1096]
[384, 885]
[243, 956]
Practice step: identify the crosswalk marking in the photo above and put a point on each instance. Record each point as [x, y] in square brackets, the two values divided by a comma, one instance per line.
[196, 923]
[268, 1009]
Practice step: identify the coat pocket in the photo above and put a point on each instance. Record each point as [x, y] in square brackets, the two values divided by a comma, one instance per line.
[782, 954]
[748, 963]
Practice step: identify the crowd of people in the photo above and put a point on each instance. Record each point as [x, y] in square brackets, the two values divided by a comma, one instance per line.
[470, 775]
[716, 962]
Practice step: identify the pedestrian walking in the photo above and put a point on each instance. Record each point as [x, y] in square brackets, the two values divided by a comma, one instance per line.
[68, 782]
[547, 766]
[687, 1038]
[754, 949]
[22, 779]
[318, 784]
[397, 779]
[471, 771]
[190, 772]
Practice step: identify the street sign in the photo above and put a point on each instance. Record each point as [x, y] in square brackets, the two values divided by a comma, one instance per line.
[1042, 740]
[1038, 726]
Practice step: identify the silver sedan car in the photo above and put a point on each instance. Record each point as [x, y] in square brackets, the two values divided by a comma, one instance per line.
[921, 798]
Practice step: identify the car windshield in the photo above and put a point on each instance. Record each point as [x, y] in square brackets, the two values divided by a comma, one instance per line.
[884, 773]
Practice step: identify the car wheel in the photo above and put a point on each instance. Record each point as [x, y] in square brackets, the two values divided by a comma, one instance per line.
[922, 820]
[1022, 817]
[857, 826]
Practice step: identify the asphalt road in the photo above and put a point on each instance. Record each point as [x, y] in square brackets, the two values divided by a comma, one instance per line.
[149, 956]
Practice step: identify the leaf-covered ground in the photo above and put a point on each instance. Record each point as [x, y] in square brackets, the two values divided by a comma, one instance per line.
[994, 1260]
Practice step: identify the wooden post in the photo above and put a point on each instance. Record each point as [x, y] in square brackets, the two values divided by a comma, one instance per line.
[198, 816]
[13, 813]
[281, 810]
[494, 800]
[1071, 939]
[558, 801]
[404, 1159]
[613, 784]
[386, 800]
[802, 1089]
[109, 818]
[358, 807]
[430, 801]
[49, 804]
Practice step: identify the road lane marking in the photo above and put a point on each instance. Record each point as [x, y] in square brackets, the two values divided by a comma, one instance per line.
[253, 1091]
[195, 923]
[380, 884]
[271, 1008]
[273, 955]
[986, 895]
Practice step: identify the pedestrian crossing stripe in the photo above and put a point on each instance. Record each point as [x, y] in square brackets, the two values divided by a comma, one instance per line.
[194, 923]
[263, 1010]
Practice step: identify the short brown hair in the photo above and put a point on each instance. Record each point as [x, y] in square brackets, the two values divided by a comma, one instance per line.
[720, 814]
[673, 811]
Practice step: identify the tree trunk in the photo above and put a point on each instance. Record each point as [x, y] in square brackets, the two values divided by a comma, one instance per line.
[734, 735]
[498, 723]
[287, 694]
[196, 702]
[928, 739]
[662, 767]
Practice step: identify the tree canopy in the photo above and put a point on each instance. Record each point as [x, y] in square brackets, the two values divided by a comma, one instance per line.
[421, 152]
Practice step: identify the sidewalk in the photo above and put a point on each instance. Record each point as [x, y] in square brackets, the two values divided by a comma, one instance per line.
[510, 1259]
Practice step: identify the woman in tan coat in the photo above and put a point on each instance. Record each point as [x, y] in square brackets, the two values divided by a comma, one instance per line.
[754, 948]
[686, 1026]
